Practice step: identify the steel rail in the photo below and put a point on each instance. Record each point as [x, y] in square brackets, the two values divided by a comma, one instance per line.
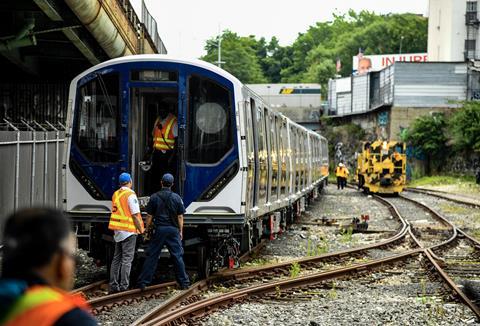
[438, 217]
[205, 305]
[444, 195]
[451, 283]
[89, 287]
[255, 271]
[97, 303]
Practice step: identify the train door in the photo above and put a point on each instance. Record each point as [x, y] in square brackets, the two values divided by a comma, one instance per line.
[252, 156]
[154, 132]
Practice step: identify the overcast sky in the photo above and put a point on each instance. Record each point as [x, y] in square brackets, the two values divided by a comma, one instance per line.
[185, 25]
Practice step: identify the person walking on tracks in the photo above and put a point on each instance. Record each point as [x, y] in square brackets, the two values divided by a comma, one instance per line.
[37, 271]
[342, 173]
[126, 221]
[165, 210]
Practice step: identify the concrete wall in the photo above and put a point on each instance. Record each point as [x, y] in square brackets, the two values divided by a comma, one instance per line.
[447, 31]
[403, 117]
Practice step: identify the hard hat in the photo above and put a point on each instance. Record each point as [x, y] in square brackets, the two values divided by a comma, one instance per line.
[124, 178]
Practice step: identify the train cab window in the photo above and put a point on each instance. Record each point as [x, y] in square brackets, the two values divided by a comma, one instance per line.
[96, 129]
[210, 134]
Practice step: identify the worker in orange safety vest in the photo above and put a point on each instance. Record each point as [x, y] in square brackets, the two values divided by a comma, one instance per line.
[165, 133]
[342, 173]
[126, 222]
[38, 269]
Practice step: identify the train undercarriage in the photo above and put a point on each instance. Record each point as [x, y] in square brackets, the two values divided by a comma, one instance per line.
[208, 247]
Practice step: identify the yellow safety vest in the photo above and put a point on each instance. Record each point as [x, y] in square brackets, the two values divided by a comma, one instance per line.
[164, 139]
[42, 306]
[121, 218]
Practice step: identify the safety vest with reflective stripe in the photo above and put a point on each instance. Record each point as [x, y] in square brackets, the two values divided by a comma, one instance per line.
[164, 139]
[41, 305]
[341, 171]
[121, 218]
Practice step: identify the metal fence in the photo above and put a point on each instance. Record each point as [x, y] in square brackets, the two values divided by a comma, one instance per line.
[30, 168]
[34, 101]
[152, 29]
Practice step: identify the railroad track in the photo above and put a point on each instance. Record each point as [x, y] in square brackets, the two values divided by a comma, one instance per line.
[187, 300]
[107, 302]
[185, 311]
[191, 313]
[275, 271]
[446, 195]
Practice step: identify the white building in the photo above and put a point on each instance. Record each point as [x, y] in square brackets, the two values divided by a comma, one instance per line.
[453, 30]
[299, 102]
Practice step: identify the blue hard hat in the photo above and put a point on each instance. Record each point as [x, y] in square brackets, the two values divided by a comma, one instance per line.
[167, 178]
[124, 178]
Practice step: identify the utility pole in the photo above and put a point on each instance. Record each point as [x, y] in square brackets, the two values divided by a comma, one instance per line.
[219, 47]
[401, 41]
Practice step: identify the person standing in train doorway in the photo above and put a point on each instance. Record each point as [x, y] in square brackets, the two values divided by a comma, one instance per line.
[165, 210]
[126, 221]
[165, 133]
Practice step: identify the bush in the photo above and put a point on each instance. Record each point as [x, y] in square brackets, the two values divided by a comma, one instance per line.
[465, 126]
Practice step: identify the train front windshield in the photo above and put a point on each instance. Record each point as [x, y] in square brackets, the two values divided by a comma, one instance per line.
[150, 118]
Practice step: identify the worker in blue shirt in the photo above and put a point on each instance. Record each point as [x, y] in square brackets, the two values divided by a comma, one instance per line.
[165, 210]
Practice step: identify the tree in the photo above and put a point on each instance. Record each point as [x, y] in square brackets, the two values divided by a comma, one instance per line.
[312, 57]
[465, 126]
[427, 135]
[240, 55]
[342, 38]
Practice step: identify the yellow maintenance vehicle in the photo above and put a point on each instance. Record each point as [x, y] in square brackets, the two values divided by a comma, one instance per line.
[381, 167]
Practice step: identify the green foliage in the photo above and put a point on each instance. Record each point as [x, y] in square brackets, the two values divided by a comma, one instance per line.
[347, 235]
[333, 292]
[322, 44]
[316, 249]
[294, 269]
[313, 55]
[442, 180]
[427, 135]
[465, 126]
[240, 56]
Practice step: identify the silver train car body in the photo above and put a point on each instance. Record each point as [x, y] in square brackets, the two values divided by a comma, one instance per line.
[242, 169]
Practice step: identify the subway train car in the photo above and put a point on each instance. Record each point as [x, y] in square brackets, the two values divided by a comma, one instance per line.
[243, 170]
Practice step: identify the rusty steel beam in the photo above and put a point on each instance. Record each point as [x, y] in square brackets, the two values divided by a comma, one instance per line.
[109, 25]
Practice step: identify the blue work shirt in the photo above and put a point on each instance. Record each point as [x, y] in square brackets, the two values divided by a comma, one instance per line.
[165, 206]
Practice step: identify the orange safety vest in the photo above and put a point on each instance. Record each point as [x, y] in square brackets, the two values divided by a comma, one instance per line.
[42, 305]
[163, 139]
[121, 218]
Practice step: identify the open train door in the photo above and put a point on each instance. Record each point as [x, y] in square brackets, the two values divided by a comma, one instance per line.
[154, 108]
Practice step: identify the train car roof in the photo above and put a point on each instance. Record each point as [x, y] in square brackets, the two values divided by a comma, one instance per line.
[188, 61]
[161, 57]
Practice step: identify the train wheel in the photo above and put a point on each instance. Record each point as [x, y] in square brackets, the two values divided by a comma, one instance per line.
[203, 262]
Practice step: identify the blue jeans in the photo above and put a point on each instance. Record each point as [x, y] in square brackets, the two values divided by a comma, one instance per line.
[170, 236]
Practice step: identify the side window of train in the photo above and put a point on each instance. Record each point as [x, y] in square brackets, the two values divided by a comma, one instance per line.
[210, 134]
[96, 127]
